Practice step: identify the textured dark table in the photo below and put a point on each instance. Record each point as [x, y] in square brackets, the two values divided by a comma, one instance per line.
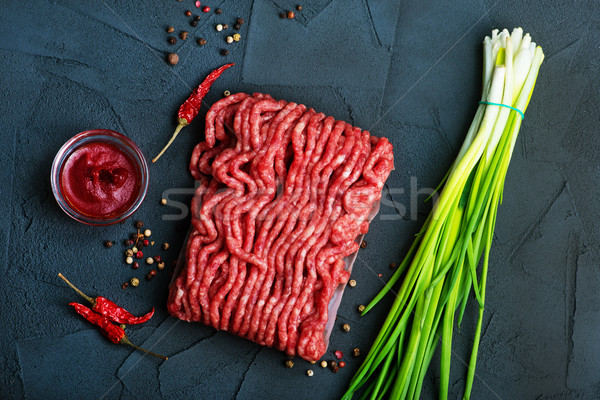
[410, 72]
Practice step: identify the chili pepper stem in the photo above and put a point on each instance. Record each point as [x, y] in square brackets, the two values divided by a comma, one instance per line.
[182, 123]
[85, 296]
[127, 342]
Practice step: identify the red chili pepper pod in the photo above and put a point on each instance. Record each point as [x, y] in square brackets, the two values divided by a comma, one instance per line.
[113, 332]
[190, 108]
[118, 314]
[109, 309]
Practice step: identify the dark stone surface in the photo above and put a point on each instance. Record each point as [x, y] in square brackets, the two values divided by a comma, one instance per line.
[410, 72]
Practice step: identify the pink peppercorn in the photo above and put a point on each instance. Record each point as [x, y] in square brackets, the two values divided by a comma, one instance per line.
[206, 9]
[197, 4]
[339, 354]
[139, 254]
[146, 242]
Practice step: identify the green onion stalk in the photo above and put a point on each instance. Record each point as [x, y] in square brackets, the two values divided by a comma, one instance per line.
[444, 264]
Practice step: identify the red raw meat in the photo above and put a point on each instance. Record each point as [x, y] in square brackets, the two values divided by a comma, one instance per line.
[283, 194]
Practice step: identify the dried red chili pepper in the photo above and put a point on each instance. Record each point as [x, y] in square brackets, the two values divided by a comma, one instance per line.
[113, 332]
[190, 108]
[109, 309]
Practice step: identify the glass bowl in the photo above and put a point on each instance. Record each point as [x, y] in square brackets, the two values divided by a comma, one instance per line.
[126, 146]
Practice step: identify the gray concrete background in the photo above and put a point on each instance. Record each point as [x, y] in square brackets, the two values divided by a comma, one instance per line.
[407, 70]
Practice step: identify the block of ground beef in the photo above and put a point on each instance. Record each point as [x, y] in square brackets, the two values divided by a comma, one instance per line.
[283, 194]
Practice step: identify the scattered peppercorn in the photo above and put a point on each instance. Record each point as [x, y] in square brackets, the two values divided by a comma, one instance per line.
[128, 242]
[324, 364]
[240, 21]
[197, 3]
[393, 265]
[218, 11]
[339, 354]
[299, 7]
[134, 237]
[194, 23]
[290, 14]
[151, 274]
[146, 242]
[161, 265]
[139, 224]
[163, 202]
[289, 363]
[172, 40]
[173, 58]
[227, 93]
[237, 37]
[135, 265]
[346, 327]
[356, 352]
[139, 254]
[237, 27]
[351, 283]
[149, 260]
[310, 372]
[219, 27]
[170, 29]
[282, 15]
[361, 308]
[129, 260]
[128, 253]
[188, 13]
[134, 250]
[206, 9]
[201, 42]
[197, 18]
[147, 233]
[134, 282]
[157, 258]
[342, 364]
[183, 35]
[108, 244]
[334, 366]
[229, 39]
[225, 26]
[363, 244]
[125, 285]
[165, 246]
[224, 52]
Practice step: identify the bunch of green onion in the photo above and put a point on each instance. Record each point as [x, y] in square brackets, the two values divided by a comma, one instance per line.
[443, 264]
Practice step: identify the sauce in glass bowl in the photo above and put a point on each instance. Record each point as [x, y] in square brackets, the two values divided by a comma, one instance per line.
[99, 177]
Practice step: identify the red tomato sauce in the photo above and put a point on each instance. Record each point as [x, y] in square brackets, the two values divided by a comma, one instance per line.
[99, 180]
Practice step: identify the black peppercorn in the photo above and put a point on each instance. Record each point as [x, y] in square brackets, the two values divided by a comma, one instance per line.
[240, 21]
[224, 52]
[197, 18]
[201, 41]
[139, 224]
[282, 15]
[194, 23]
[172, 40]
[237, 27]
[108, 244]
